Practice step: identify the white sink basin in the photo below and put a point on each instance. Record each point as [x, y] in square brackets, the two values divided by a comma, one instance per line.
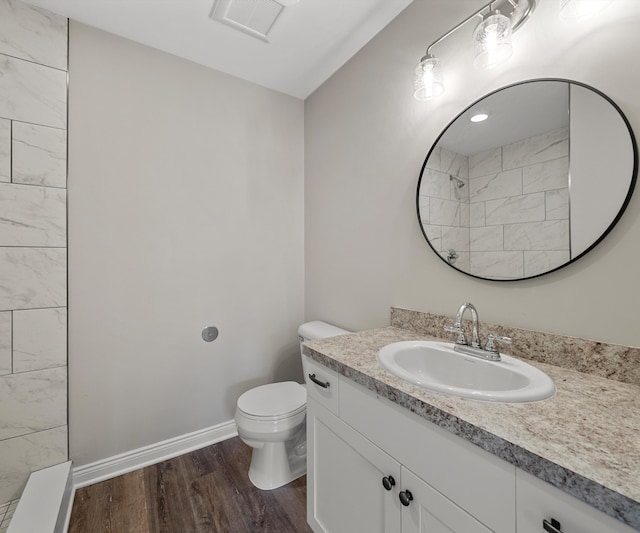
[437, 367]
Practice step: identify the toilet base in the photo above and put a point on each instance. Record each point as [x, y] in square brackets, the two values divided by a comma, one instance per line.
[272, 466]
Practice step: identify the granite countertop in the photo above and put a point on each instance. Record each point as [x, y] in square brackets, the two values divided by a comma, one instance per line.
[585, 440]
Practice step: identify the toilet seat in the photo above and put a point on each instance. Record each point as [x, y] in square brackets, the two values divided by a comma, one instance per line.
[274, 401]
[271, 419]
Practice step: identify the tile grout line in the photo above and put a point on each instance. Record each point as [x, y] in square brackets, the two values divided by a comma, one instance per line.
[12, 338]
[11, 508]
[3, 512]
[10, 150]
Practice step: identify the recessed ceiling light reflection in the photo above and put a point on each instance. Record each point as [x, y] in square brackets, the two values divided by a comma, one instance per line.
[479, 117]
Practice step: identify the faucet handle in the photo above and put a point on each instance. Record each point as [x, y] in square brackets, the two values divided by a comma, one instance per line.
[492, 339]
[457, 328]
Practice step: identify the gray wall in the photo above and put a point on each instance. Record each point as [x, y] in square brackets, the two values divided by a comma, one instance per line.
[185, 210]
[365, 141]
[33, 240]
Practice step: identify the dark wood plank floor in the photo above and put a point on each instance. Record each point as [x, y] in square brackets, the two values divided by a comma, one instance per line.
[203, 491]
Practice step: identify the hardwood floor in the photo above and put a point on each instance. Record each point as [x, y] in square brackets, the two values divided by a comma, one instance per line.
[207, 490]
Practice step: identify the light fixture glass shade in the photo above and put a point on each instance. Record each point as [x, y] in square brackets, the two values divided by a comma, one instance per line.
[428, 78]
[575, 9]
[492, 41]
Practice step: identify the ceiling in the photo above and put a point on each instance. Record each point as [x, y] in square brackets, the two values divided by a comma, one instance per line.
[515, 113]
[308, 42]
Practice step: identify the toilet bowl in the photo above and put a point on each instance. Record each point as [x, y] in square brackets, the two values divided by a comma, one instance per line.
[272, 420]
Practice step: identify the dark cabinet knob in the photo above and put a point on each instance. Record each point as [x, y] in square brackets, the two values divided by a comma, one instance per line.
[405, 497]
[551, 526]
[388, 482]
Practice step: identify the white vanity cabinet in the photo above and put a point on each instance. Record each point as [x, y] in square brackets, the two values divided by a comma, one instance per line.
[354, 486]
[430, 512]
[357, 439]
[347, 465]
[344, 469]
[538, 501]
[344, 478]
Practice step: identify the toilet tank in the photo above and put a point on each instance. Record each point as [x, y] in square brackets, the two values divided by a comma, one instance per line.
[318, 330]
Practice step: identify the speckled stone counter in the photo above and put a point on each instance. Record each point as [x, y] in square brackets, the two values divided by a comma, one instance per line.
[585, 440]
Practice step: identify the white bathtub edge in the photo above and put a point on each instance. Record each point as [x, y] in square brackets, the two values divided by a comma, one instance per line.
[42, 504]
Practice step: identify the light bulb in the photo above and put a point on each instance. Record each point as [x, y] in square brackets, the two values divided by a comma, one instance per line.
[492, 40]
[428, 78]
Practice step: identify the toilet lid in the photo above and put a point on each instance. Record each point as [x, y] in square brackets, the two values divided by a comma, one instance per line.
[274, 399]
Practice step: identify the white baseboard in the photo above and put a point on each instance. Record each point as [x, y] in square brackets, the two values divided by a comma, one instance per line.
[148, 455]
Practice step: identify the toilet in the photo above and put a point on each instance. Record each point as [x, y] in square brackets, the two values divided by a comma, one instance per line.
[271, 419]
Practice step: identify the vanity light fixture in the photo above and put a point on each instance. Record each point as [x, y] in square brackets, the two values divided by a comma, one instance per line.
[575, 9]
[491, 43]
[492, 40]
[428, 78]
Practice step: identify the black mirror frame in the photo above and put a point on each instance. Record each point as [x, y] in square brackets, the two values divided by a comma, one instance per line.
[623, 208]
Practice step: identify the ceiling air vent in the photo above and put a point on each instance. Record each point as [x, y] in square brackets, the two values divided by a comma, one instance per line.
[254, 17]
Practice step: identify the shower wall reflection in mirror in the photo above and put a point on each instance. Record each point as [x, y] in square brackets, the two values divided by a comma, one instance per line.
[531, 188]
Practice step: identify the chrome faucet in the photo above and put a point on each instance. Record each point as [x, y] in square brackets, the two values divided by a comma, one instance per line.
[475, 340]
[475, 348]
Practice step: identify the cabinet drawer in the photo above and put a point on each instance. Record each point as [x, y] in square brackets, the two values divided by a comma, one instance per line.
[538, 500]
[476, 480]
[322, 384]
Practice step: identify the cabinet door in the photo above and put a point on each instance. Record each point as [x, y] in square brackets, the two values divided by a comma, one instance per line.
[345, 493]
[538, 501]
[430, 512]
[476, 480]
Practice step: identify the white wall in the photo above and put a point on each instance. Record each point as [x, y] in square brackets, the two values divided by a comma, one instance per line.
[185, 210]
[365, 141]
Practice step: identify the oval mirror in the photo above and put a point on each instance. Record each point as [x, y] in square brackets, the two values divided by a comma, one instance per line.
[527, 180]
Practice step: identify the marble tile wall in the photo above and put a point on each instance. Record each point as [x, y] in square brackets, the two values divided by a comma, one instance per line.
[519, 207]
[7, 511]
[444, 206]
[33, 240]
[5, 150]
[511, 217]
